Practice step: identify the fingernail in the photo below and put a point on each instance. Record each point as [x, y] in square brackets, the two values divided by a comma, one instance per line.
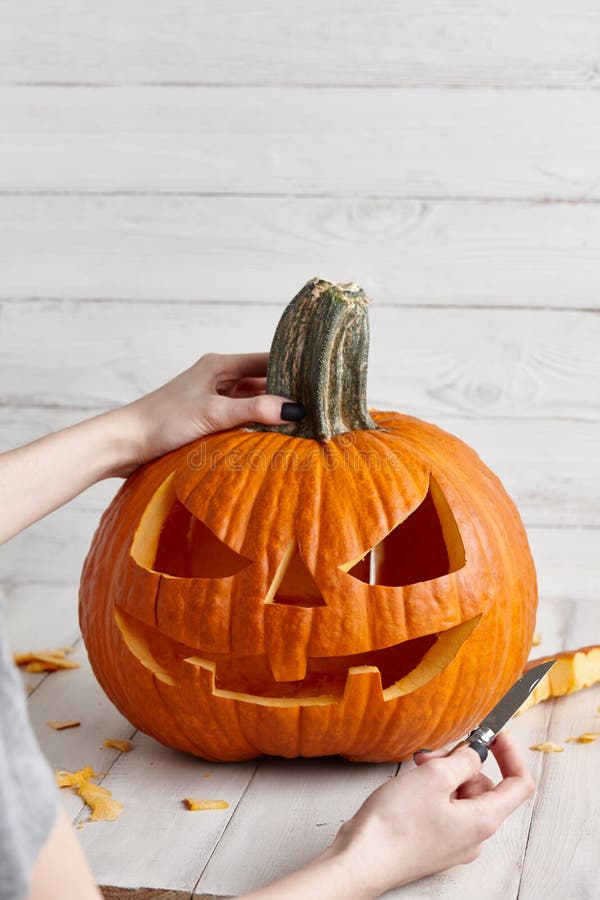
[424, 750]
[292, 412]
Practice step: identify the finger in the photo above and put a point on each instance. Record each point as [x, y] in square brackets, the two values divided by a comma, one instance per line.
[257, 383]
[246, 387]
[236, 365]
[505, 797]
[264, 408]
[460, 765]
[508, 756]
[476, 786]
[517, 784]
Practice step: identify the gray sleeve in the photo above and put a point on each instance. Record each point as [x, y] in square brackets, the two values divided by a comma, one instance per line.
[28, 794]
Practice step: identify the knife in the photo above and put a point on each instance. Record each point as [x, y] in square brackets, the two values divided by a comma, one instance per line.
[481, 738]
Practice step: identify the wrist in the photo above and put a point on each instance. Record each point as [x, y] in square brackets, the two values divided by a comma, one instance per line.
[122, 441]
[351, 868]
[363, 843]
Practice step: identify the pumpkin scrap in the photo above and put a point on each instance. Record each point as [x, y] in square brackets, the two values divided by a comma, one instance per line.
[588, 737]
[194, 805]
[537, 639]
[60, 726]
[119, 744]
[100, 800]
[73, 779]
[548, 747]
[46, 660]
[573, 670]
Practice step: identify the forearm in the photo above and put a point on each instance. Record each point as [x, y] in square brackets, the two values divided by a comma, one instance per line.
[331, 876]
[39, 477]
[216, 393]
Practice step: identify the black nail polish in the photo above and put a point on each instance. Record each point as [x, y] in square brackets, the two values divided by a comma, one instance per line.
[292, 412]
[423, 750]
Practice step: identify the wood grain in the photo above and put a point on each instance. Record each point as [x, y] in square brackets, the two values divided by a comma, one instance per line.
[37, 617]
[525, 44]
[562, 850]
[486, 364]
[117, 893]
[290, 813]
[75, 694]
[533, 144]
[262, 250]
[167, 845]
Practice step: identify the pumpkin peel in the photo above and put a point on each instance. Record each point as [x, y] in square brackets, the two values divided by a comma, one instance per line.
[100, 800]
[119, 744]
[62, 725]
[46, 660]
[588, 737]
[548, 747]
[573, 671]
[196, 804]
[73, 779]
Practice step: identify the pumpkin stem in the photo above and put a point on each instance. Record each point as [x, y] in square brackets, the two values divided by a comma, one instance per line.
[319, 358]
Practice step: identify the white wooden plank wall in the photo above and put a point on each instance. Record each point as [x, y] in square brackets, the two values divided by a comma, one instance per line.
[170, 175]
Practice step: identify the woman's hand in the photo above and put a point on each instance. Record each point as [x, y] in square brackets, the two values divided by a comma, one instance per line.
[433, 817]
[217, 392]
[426, 820]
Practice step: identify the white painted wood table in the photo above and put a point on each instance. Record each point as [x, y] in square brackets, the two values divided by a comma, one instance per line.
[170, 174]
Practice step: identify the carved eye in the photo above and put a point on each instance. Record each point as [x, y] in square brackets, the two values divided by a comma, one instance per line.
[426, 545]
[170, 540]
[187, 548]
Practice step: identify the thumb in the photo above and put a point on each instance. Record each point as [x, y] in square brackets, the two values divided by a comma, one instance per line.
[268, 409]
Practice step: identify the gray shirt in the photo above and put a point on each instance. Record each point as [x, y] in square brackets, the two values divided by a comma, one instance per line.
[28, 793]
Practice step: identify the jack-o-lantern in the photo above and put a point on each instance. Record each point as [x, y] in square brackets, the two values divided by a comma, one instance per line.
[356, 583]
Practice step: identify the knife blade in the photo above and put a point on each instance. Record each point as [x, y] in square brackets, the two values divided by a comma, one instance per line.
[481, 738]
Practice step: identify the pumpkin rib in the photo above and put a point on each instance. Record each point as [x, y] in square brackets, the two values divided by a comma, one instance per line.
[192, 699]
[317, 493]
[240, 622]
[430, 465]
[503, 641]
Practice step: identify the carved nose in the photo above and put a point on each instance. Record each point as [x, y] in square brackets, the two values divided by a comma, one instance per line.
[295, 585]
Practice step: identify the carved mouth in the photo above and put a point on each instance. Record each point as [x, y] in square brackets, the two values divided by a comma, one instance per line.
[403, 667]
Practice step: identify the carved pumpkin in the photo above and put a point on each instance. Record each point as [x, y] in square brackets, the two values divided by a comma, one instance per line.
[355, 583]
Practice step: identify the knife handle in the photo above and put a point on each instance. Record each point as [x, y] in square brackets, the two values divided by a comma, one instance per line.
[479, 739]
[478, 746]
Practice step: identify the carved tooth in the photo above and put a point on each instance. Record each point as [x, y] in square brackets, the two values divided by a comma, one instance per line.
[287, 630]
[285, 664]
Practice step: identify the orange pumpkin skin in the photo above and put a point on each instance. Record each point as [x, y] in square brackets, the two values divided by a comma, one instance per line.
[574, 670]
[156, 640]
